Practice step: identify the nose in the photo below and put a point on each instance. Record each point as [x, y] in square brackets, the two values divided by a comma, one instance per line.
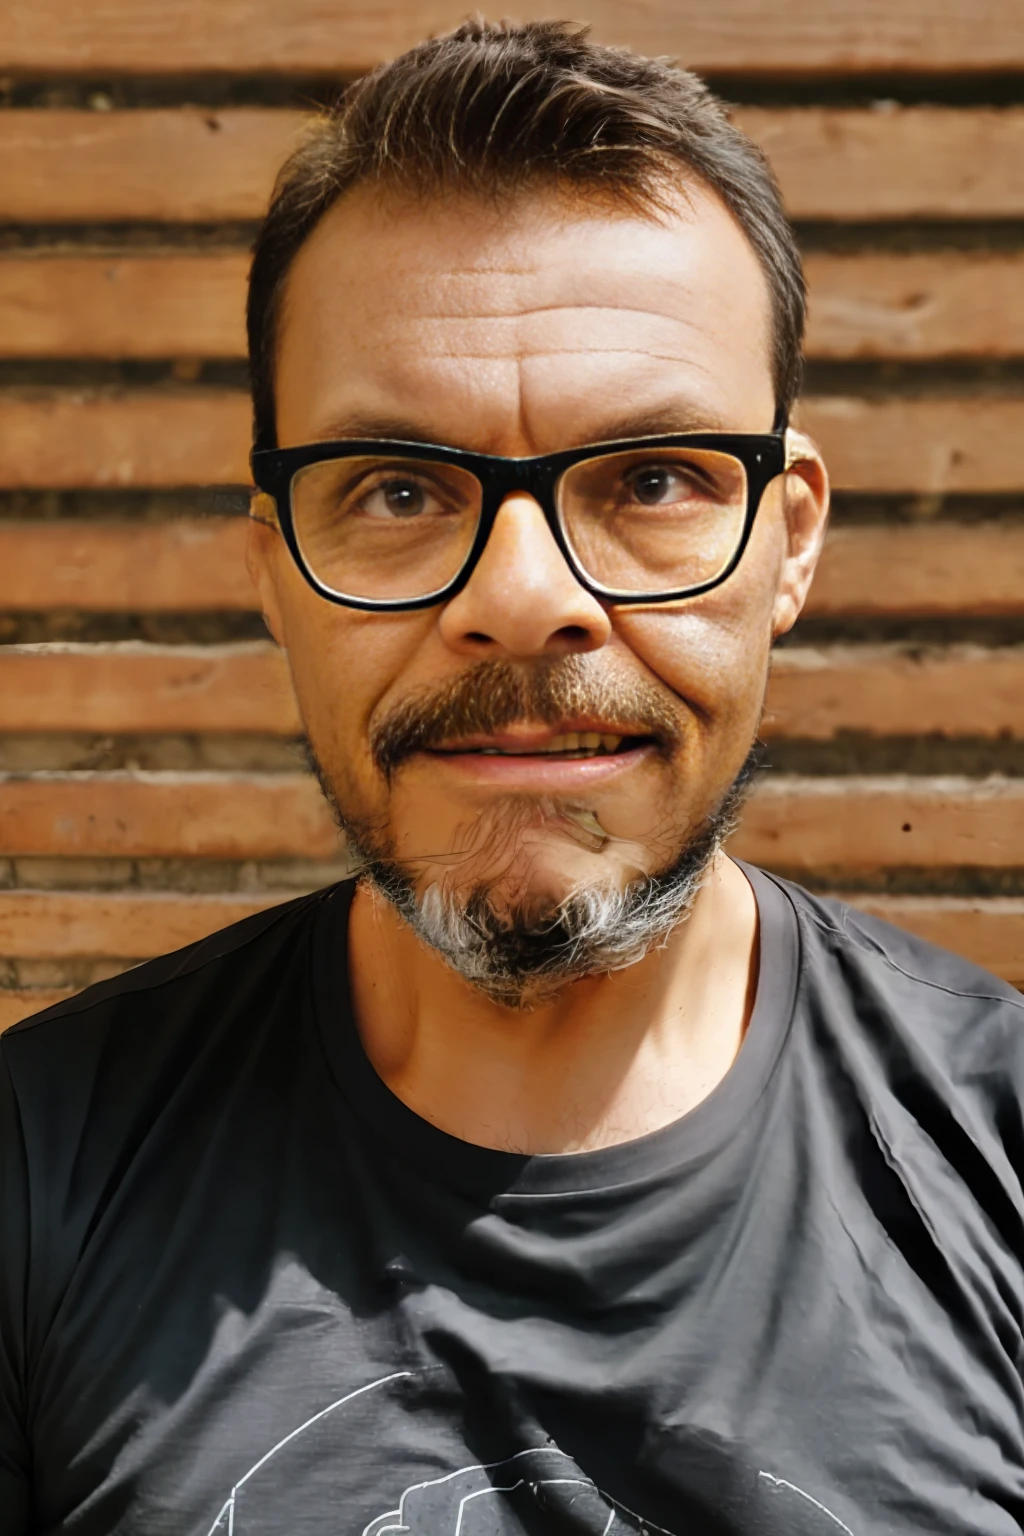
[522, 598]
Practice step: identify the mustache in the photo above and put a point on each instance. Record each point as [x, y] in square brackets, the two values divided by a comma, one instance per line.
[494, 695]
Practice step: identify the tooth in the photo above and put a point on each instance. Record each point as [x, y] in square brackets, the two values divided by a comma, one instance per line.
[590, 739]
[572, 741]
[611, 743]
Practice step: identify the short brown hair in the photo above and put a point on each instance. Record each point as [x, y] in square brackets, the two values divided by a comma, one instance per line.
[490, 109]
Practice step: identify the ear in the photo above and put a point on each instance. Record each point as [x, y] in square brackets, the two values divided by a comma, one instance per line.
[805, 494]
[262, 554]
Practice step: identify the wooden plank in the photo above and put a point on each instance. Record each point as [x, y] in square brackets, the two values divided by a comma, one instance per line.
[803, 824]
[63, 439]
[987, 930]
[128, 925]
[186, 164]
[893, 691]
[814, 693]
[137, 925]
[941, 445]
[905, 307]
[916, 570]
[894, 164]
[198, 165]
[60, 439]
[139, 688]
[314, 36]
[920, 571]
[186, 305]
[944, 304]
[792, 823]
[17, 1003]
[166, 815]
[185, 566]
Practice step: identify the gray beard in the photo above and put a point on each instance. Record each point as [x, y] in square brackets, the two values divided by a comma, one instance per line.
[520, 956]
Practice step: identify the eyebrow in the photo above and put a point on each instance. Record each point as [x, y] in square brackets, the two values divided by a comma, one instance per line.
[665, 421]
[393, 428]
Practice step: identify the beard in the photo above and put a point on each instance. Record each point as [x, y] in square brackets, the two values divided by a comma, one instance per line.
[517, 948]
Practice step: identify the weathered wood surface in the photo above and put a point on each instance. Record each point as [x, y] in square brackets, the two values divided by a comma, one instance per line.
[926, 570]
[118, 293]
[861, 823]
[939, 304]
[988, 930]
[178, 164]
[160, 438]
[194, 165]
[815, 693]
[131, 925]
[135, 925]
[904, 307]
[894, 164]
[185, 566]
[794, 823]
[188, 304]
[317, 37]
[147, 688]
[166, 815]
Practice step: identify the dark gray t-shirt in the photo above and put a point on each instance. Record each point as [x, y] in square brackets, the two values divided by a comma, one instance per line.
[244, 1290]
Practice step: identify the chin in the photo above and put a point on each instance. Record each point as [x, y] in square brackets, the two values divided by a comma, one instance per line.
[533, 860]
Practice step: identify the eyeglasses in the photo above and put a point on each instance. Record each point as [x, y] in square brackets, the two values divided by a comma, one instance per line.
[395, 525]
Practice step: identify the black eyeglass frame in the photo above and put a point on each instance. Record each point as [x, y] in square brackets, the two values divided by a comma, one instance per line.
[763, 456]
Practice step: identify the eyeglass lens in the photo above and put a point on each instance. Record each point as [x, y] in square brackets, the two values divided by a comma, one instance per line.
[645, 520]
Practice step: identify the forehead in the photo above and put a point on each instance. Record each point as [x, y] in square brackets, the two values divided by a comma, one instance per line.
[530, 319]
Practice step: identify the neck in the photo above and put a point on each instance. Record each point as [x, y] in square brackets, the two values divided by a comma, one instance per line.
[609, 1059]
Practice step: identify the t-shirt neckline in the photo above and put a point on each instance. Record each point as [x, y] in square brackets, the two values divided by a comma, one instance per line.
[484, 1171]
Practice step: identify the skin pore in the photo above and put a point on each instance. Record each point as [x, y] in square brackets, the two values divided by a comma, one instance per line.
[524, 328]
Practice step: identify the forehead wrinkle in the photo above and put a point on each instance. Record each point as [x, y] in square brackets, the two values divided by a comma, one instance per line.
[595, 330]
[523, 355]
[562, 306]
[440, 320]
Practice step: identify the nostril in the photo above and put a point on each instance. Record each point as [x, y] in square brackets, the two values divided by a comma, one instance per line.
[575, 636]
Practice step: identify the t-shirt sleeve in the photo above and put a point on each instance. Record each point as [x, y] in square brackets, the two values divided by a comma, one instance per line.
[14, 1455]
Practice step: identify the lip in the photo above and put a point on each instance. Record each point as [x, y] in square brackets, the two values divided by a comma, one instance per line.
[539, 773]
[524, 738]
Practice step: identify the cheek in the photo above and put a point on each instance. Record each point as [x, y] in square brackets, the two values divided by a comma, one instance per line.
[713, 651]
[343, 662]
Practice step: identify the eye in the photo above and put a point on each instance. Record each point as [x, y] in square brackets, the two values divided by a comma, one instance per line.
[398, 497]
[659, 485]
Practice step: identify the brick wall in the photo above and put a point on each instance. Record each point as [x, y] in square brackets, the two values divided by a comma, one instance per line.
[151, 778]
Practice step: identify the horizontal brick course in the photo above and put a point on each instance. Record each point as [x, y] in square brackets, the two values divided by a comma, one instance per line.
[814, 692]
[302, 36]
[907, 306]
[917, 331]
[790, 822]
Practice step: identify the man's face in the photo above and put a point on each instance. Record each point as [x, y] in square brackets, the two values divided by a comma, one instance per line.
[522, 329]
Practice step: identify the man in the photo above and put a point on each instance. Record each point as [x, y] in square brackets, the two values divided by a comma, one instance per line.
[559, 1174]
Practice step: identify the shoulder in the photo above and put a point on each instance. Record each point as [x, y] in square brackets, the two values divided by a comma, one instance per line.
[110, 1100]
[911, 967]
[133, 1029]
[137, 1072]
[921, 1019]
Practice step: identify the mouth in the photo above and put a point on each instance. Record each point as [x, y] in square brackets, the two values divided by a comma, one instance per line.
[568, 746]
[564, 744]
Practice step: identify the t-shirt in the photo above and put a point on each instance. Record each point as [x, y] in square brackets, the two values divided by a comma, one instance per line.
[245, 1290]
